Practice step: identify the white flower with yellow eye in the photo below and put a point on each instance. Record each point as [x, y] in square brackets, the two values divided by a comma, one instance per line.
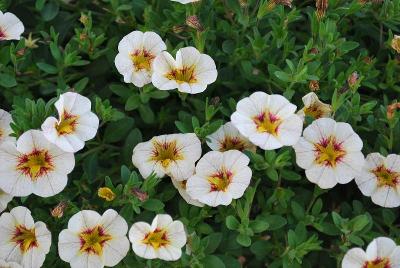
[219, 178]
[382, 252]
[94, 240]
[5, 127]
[181, 187]
[190, 72]
[380, 179]
[163, 239]
[22, 240]
[173, 155]
[227, 137]
[4, 200]
[11, 27]
[34, 165]
[268, 121]
[136, 53]
[330, 152]
[314, 108]
[76, 123]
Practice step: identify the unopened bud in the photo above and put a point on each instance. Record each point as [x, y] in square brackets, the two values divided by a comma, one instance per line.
[142, 196]
[58, 211]
[352, 79]
[194, 22]
[314, 85]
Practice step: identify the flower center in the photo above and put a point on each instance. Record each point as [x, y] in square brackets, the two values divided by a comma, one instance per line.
[329, 152]
[156, 239]
[2, 34]
[67, 124]
[93, 240]
[106, 193]
[35, 164]
[184, 75]
[141, 60]
[378, 263]
[165, 153]
[220, 180]
[25, 238]
[232, 143]
[313, 111]
[267, 122]
[386, 177]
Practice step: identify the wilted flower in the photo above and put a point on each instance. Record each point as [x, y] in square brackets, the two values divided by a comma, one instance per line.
[11, 27]
[194, 22]
[58, 211]
[353, 79]
[141, 195]
[380, 179]
[34, 165]
[190, 72]
[94, 240]
[314, 85]
[219, 178]
[314, 108]
[22, 240]
[391, 109]
[382, 252]
[30, 42]
[106, 193]
[330, 152]
[163, 239]
[396, 43]
[268, 121]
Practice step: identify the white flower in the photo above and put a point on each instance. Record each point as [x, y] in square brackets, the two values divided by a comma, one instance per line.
[219, 178]
[11, 27]
[76, 123]
[4, 200]
[191, 72]
[173, 155]
[380, 179]
[4, 264]
[22, 240]
[181, 187]
[163, 239]
[314, 108]
[382, 252]
[227, 137]
[268, 121]
[136, 52]
[5, 127]
[34, 165]
[330, 152]
[94, 240]
[186, 1]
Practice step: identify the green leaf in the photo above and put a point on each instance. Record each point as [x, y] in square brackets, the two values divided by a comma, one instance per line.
[7, 80]
[232, 223]
[153, 205]
[243, 240]
[47, 68]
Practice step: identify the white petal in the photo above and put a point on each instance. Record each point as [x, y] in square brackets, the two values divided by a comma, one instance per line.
[161, 221]
[187, 57]
[323, 176]
[113, 223]
[68, 245]
[305, 155]
[380, 247]
[290, 129]
[115, 250]
[11, 25]
[82, 220]
[354, 258]
[386, 196]
[87, 261]
[50, 184]
[345, 133]
[73, 103]
[153, 43]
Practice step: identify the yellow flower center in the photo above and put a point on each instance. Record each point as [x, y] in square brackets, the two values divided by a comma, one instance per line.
[267, 122]
[141, 60]
[67, 124]
[158, 238]
[184, 75]
[220, 180]
[106, 193]
[93, 240]
[378, 263]
[329, 152]
[35, 164]
[232, 143]
[25, 238]
[165, 153]
[386, 177]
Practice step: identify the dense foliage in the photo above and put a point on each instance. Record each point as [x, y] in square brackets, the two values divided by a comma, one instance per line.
[282, 220]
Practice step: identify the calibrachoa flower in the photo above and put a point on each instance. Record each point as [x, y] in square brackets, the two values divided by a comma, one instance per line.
[76, 123]
[380, 179]
[227, 137]
[136, 52]
[382, 252]
[163, 239]
[330, 152]
[191, 72]
[220, 177]
[173, 155]
[106, 193]
[11, 27]
[5, 127]
[314, 108]
[268, 121]
[94, 240]
[34, 165]
[4, 264]
[181, 187]
[22, 240]
[4, 200]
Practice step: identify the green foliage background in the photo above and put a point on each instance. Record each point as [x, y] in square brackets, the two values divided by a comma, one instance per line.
[282, 220]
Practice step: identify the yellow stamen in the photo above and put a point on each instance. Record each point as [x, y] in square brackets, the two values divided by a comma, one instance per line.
[378, 263]
[35, 164]
[184, 75]
[142, 60]
[25, 238]
[220, 180]
[93, 240]
[156, 239]
[165, 153]
[329, 152]
[386, 177]
[267, 122]
[232, 143]
[67, 124]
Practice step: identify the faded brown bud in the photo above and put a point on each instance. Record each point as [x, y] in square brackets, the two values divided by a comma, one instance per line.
[178, 28]
[58, 211]
[322, 6]
[314, 51]
[391, 109]
[215, 101]
[314, 85]
[352, 79]
[142, 196]
[194, 22]
[396, 43]
[21, 52]
[367, 60]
